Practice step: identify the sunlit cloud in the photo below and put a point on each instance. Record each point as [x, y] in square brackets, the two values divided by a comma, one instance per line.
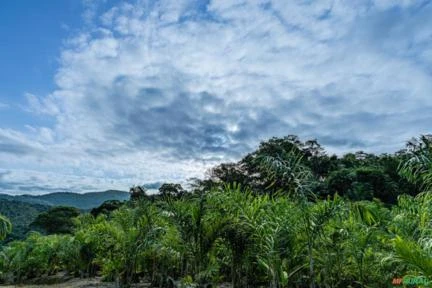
[160, 91]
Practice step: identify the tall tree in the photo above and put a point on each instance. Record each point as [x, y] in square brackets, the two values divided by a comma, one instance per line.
[418, 169]
[57, 220]
[171, 190]
[137, 193]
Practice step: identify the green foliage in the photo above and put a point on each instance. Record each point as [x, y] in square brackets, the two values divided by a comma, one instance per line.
[280, 163]
[137, 193]
[21, 215]
[363, 183]
[171, 190]
[418, 168]
[230, 234]
[106, 208]
[413, 254]
[36, 256]
[5, 227]
[57, 220]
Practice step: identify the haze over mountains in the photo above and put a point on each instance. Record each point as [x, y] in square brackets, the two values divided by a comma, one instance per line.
[83, 201]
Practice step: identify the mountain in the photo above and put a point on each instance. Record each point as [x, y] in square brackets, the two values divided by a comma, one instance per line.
[83, 201]
[22, 210]
[21, 214]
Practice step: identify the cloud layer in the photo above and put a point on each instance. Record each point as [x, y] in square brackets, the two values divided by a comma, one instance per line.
[160, 90]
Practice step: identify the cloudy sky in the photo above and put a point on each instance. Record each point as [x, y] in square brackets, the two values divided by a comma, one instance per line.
[107, 94]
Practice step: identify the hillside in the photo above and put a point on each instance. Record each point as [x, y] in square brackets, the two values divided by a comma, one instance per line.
[23, 209]
[21, 214]
[83, 201]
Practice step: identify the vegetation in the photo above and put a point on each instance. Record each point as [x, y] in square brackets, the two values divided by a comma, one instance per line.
[57, 220]
[286, 215]
[85, 201]
[106, 208]
[21, 215]
[22, 210]
[5, 227]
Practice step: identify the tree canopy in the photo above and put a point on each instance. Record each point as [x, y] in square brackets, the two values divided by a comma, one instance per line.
[57, 220]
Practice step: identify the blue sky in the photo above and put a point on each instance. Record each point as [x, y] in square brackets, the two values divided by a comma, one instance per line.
[32, 34]
[108, 94]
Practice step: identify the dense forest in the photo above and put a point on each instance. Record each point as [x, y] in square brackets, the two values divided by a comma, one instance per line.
[22, 210]
[286, 215]
[21, 215]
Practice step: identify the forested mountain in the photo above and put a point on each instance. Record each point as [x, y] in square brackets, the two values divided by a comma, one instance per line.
[83, 201]
[22, 210]
[21, 215]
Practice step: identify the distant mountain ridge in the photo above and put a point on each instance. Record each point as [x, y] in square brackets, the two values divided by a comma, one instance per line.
[83, 201]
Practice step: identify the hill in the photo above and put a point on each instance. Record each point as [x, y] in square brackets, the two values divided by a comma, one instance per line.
[23, 209]
[21, 214]
[83, 201]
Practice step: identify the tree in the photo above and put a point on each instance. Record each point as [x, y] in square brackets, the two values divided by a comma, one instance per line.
[57, 220]
[5, 227]
[121, 244]
[340, 181]
[363, 183]
[137, 193]
[284, 172]
[381, 185]
[230, 173]
[412, 230]
[171, 190]
[418, 168]
[106, 207]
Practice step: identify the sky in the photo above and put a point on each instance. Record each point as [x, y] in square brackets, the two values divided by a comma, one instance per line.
[101, 94]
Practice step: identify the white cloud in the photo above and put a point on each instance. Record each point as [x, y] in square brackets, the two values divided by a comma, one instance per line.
[162, 90]
[46, 105]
